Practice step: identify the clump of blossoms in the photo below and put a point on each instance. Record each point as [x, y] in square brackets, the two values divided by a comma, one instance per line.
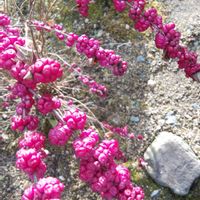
[46, 70]
[119, 5]
[45, 188]
[167, 37]
[83, 6]
[98, 158]
[33, 140]
[46, 103]
[94, 87]
[30, 161]
[99, 169]
[75, 119]
[59, 135]
[20, 122]
[122, 131]
[89, 47]
[31, 154]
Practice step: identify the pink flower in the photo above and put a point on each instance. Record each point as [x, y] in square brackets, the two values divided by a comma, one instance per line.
[46, 70]
[46, 103]
[59, 135]
[30, 161]
[4, 20]
[45, 188]
[32, 140]
[75, 119]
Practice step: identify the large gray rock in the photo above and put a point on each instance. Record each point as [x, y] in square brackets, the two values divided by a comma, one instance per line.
[172, 163]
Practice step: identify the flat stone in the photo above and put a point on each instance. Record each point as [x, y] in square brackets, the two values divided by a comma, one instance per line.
[155, 194]
[140, 59]
[196, 106]
[127, 27]
[100, 33]
[135, 119]
[171, 118]
[172, 163]
[151, 83]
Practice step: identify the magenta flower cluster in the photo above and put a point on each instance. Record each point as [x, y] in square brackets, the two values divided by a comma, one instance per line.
[46, 70]
[136, 9]
[47, 103]
[59, 135]
[94, 87]
[71, 39]
[9, 40]
[98, 165]
[23, 119]
[122, 131]
[166, 37]
[72, 120]
[4, 20]
[32, 140]
[85, 144]
[30, 161]
[99, 169]
[119, 5]
[87, 46]
[19, 90]
[83, 6]
[75, 119]
[45, 188]
[25, 105]
[90, 47]
[29, 157]
[169, 41]
[19, 122]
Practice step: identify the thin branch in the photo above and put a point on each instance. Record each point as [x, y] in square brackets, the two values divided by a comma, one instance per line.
[31, 4]
[43, 42]
[55, 112]
[50, 8]
[34, 42]
[196, 76]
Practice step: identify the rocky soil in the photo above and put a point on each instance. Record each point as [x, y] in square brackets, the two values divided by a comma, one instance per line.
[153, 96]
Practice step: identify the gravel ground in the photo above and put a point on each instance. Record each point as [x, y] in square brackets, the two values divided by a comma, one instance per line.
[153, 96]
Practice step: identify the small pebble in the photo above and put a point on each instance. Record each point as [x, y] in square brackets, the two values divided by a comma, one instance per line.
[86, 20]
[140, 59]
[151, 83]
[155, 194]
[62, 178]
[135, 119]
[171, 119]
[127, 27]
[196, 106]
[100, 33]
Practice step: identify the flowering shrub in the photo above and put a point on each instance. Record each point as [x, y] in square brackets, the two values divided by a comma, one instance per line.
[46, 188]
[167, 37]
[99, 158]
